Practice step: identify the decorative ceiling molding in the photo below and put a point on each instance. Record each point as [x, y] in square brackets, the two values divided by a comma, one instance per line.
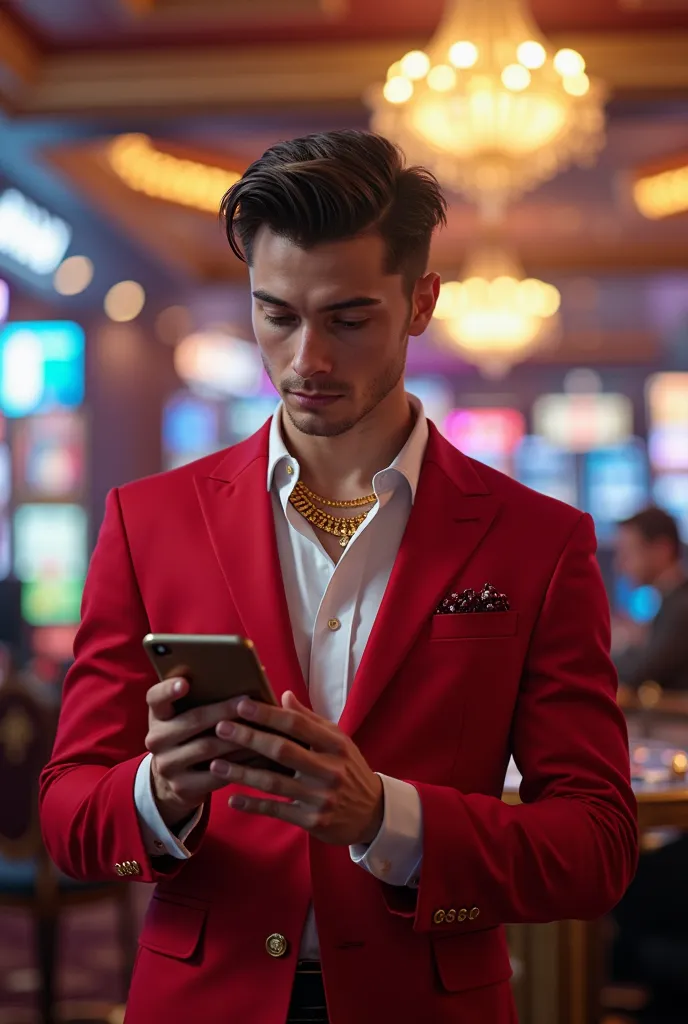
[279, 77]
[164, 10]
[19, 63]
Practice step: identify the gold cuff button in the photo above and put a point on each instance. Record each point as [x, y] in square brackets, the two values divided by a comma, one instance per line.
[439, 917]
[119, 869]
[462, 914]
[276, 944]
[474, 913]
[450, 916]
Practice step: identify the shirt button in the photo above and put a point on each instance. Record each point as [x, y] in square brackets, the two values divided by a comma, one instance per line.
[333, 625]
[290, 470]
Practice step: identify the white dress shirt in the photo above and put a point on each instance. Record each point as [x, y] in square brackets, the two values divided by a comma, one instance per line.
[332, 608]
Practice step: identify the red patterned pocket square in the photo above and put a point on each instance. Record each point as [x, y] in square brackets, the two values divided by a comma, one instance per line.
[486, 600]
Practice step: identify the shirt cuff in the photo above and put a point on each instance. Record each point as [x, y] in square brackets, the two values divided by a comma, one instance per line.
[396, 854]
[158, 838]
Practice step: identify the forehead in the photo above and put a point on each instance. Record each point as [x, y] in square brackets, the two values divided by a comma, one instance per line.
[355, 266]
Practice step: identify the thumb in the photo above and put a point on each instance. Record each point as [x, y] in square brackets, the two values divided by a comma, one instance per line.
[291, 701]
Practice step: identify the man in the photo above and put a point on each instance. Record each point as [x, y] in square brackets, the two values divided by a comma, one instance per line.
[651, 944]
[335, 539]
[648, 553]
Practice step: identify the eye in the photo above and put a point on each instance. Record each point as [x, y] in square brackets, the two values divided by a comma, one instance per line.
[278, 321]
[352, 325]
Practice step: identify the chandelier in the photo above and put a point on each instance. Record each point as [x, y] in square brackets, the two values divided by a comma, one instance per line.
[494, 315]
[490, 107]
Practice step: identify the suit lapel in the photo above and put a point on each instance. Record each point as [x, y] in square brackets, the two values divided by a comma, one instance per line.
[451, 514]
[238, 512]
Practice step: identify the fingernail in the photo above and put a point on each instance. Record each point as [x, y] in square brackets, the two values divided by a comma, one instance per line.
[238, 802]
[221, 768]
[247, 708]
[225, 730]
[178, 686]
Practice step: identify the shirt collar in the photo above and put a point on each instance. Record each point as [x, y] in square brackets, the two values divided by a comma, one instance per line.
[406, 465]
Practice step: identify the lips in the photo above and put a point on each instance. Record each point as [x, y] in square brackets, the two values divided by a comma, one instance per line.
[314, 399]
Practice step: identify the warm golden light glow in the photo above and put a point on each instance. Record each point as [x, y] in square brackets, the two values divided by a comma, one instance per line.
[415, 64]
[398, 89]
[160, 175]
[463, 54]
[663, 194]
[516, 77]
[442, 78]
[569, 63]
[73, 275]
[124, 301]
[579, 85]
[495, 317]
[511, 116]
[532, 54]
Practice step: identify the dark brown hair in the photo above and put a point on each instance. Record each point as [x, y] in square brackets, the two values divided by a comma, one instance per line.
[333, 186]
[655, 524]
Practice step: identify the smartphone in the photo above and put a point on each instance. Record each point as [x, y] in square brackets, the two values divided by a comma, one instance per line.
[217, 668]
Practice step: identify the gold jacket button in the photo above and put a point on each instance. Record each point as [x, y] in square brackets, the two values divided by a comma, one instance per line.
[439, 917]
[462, 914]
[450, 916]
[276, 944]
[474, 913]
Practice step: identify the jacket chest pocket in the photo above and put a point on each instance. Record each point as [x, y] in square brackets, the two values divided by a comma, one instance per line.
[474, 626]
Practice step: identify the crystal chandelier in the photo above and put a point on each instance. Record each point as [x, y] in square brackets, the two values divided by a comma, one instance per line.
[495, 316]
[490, 107]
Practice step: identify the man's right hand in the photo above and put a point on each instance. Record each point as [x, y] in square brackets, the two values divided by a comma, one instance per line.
[177, 745]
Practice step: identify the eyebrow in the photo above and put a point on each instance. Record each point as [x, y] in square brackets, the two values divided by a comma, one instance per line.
[358, 300]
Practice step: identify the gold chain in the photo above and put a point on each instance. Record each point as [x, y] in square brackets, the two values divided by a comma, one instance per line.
[368, 499]
[338, 526]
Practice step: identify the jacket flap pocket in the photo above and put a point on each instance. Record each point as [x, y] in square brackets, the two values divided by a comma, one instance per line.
[172, 928]
[472, 961]
[467, 625]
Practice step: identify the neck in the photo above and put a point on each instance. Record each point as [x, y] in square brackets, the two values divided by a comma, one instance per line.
[670, 578]
[342, 467]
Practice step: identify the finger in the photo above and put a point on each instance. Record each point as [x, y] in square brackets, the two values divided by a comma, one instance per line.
[166, 733]
[309, 728]
[271, 782]
[278, 748]
[296, 814]
[206, 716]
[179, 759]
[192, 787]
[161, 697]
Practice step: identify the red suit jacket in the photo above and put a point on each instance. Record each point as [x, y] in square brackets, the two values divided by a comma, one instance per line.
[439, 701]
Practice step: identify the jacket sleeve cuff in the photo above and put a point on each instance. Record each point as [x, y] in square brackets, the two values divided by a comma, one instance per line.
[396, 853]
[158, 838]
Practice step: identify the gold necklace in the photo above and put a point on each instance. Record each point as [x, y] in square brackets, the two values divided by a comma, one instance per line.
[338, 526]
[368, 499]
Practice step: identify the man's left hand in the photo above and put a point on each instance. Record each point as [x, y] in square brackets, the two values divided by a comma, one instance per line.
[334, 795]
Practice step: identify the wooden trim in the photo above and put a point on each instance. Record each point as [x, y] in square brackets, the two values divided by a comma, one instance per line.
[249, 77]
[165, 11]
[19, 63]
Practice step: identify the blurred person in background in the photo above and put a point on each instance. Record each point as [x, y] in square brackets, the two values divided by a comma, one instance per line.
[648, 553]
[652, 941]
[373, 884]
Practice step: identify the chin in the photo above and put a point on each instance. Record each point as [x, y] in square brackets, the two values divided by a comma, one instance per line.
[317, 424]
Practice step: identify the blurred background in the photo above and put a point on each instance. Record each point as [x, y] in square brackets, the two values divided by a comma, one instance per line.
[559, 353]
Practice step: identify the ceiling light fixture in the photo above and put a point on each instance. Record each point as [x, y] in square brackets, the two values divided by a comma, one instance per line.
[143, 168]
[491, 108]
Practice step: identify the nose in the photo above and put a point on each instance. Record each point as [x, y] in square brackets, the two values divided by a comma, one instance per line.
[313, 353]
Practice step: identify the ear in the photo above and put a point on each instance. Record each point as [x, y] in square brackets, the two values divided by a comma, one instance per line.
[423, 302]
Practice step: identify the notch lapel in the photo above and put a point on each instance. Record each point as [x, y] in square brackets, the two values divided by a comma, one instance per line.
[451, 515]
[237, 508]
